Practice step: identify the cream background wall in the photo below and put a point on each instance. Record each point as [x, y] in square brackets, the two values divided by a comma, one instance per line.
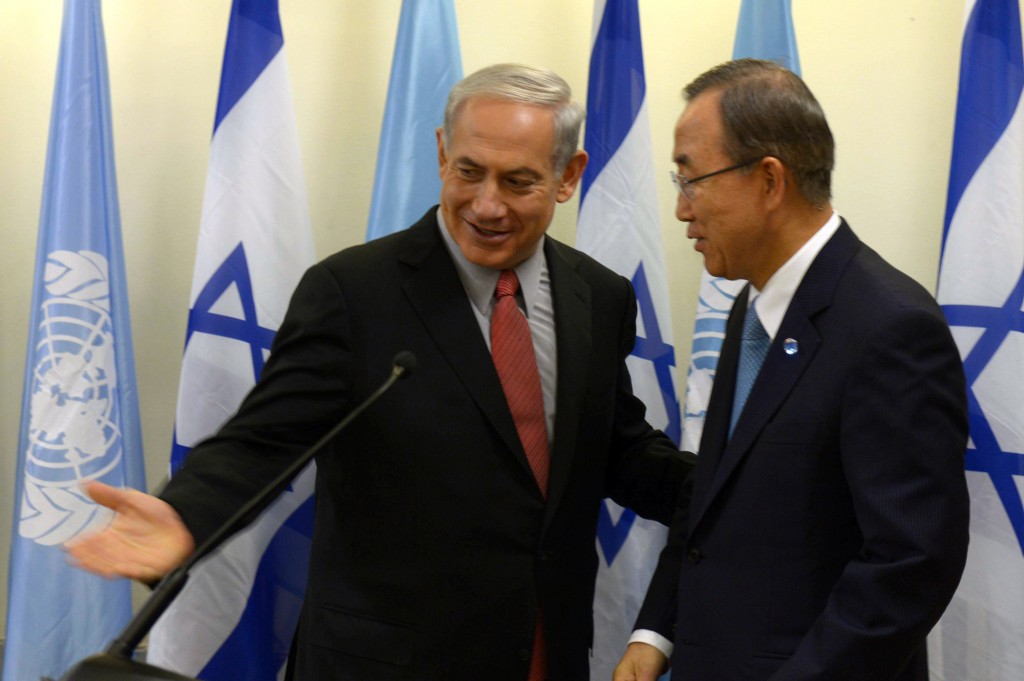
[884, 70]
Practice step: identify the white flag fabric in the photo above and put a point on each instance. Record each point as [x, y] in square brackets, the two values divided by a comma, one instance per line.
[981, 290]
[618, 225]
[237, 615]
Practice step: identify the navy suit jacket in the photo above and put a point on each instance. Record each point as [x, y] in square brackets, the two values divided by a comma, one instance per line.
[433, 546]
[825, 538]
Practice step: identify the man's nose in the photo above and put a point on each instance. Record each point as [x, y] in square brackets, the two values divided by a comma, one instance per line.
[489, 201]
[684, 208]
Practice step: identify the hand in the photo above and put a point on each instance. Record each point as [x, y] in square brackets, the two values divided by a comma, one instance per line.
[146, 540]
[642, 662]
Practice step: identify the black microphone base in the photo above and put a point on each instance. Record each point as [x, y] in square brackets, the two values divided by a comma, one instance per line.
[106, 667]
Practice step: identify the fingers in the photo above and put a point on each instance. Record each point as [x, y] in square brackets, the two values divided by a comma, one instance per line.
[145, 540]
[123, 500]
[106, 554]
[103, 494]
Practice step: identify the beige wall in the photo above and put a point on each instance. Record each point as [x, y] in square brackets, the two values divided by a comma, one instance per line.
[884, 70]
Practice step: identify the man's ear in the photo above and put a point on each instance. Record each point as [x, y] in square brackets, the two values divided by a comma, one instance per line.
[776, 181]
[442, 157]
[571, 176]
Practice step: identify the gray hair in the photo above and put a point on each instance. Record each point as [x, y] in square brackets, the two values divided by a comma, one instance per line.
[529, 85]
[768, 110]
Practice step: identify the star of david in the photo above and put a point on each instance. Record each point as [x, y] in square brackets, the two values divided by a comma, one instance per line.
[201, 318]
[658, 352]
[612, 535]
[234, 271]
[987, 455]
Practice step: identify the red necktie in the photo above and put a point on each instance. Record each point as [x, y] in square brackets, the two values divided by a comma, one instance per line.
[512, 351]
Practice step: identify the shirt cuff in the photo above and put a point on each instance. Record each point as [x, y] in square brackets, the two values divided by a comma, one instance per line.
[653, 638]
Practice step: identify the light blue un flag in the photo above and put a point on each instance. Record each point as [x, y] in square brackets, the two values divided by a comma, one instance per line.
[981, 290]
[764, 31]
[618, 225]
[80, 416]
[426, 64]
[235, 619]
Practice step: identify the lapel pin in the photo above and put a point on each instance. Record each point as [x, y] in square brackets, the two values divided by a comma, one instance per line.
[791, 346]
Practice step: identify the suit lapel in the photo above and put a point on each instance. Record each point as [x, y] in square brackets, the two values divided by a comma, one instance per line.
[781, 370]
[715, 434]
[570, 296]
[435, 292]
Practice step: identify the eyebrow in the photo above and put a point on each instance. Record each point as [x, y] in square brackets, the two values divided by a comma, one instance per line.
[682, 159]
[522, 170]
[465, 160]
[526, 172]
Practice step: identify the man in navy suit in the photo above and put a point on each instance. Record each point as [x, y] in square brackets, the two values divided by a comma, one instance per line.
[438, 553]
[828, 521]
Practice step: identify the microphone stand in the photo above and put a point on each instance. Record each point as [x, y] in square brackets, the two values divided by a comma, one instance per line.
[115, 663]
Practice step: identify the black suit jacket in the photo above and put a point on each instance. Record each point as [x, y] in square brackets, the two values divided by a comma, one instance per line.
[433, 547]
[825, 538]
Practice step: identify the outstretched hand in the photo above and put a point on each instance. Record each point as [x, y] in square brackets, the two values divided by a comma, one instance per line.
[146, 540]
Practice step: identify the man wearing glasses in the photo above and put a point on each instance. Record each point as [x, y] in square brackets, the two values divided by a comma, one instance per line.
[827, 528]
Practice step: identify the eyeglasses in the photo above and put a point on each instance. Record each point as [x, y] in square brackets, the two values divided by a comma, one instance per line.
[684, 185]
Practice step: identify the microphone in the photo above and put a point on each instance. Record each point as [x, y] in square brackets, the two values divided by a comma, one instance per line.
[115, 664]
[404, 361]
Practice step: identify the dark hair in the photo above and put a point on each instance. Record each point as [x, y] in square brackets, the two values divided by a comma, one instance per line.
[768, 110]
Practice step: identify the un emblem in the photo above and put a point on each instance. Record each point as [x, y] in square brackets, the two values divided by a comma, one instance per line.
[73, 433]
[716, 299]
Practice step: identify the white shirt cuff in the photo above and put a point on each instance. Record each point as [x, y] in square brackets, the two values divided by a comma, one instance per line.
[653, 638]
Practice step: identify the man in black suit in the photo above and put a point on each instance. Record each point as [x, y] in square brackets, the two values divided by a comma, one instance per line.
[827, 526]
[438, 551]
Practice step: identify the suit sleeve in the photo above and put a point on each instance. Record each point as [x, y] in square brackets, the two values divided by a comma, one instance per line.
[658, 611]
[646, 469]
[902, 441]
[302, 393]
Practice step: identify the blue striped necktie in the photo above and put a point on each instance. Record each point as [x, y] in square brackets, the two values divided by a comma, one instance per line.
[753, 348]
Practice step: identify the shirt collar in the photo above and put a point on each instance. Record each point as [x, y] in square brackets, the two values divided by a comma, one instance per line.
[774, 299]
[480, 281]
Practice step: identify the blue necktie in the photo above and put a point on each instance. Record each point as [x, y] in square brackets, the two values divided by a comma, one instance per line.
[753, 348]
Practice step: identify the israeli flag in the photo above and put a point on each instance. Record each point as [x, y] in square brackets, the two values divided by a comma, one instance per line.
[80, 414]
[426, 64]
[618, 225]
[236, 617]
[981, 290]
[764, 31]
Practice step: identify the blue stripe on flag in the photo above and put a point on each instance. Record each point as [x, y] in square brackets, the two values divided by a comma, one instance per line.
[617, 87]
[254, 38]
[991, 82]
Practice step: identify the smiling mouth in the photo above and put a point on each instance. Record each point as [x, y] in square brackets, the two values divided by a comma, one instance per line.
[487, 233]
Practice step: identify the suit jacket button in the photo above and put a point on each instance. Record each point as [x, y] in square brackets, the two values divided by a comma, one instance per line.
[694, 556]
